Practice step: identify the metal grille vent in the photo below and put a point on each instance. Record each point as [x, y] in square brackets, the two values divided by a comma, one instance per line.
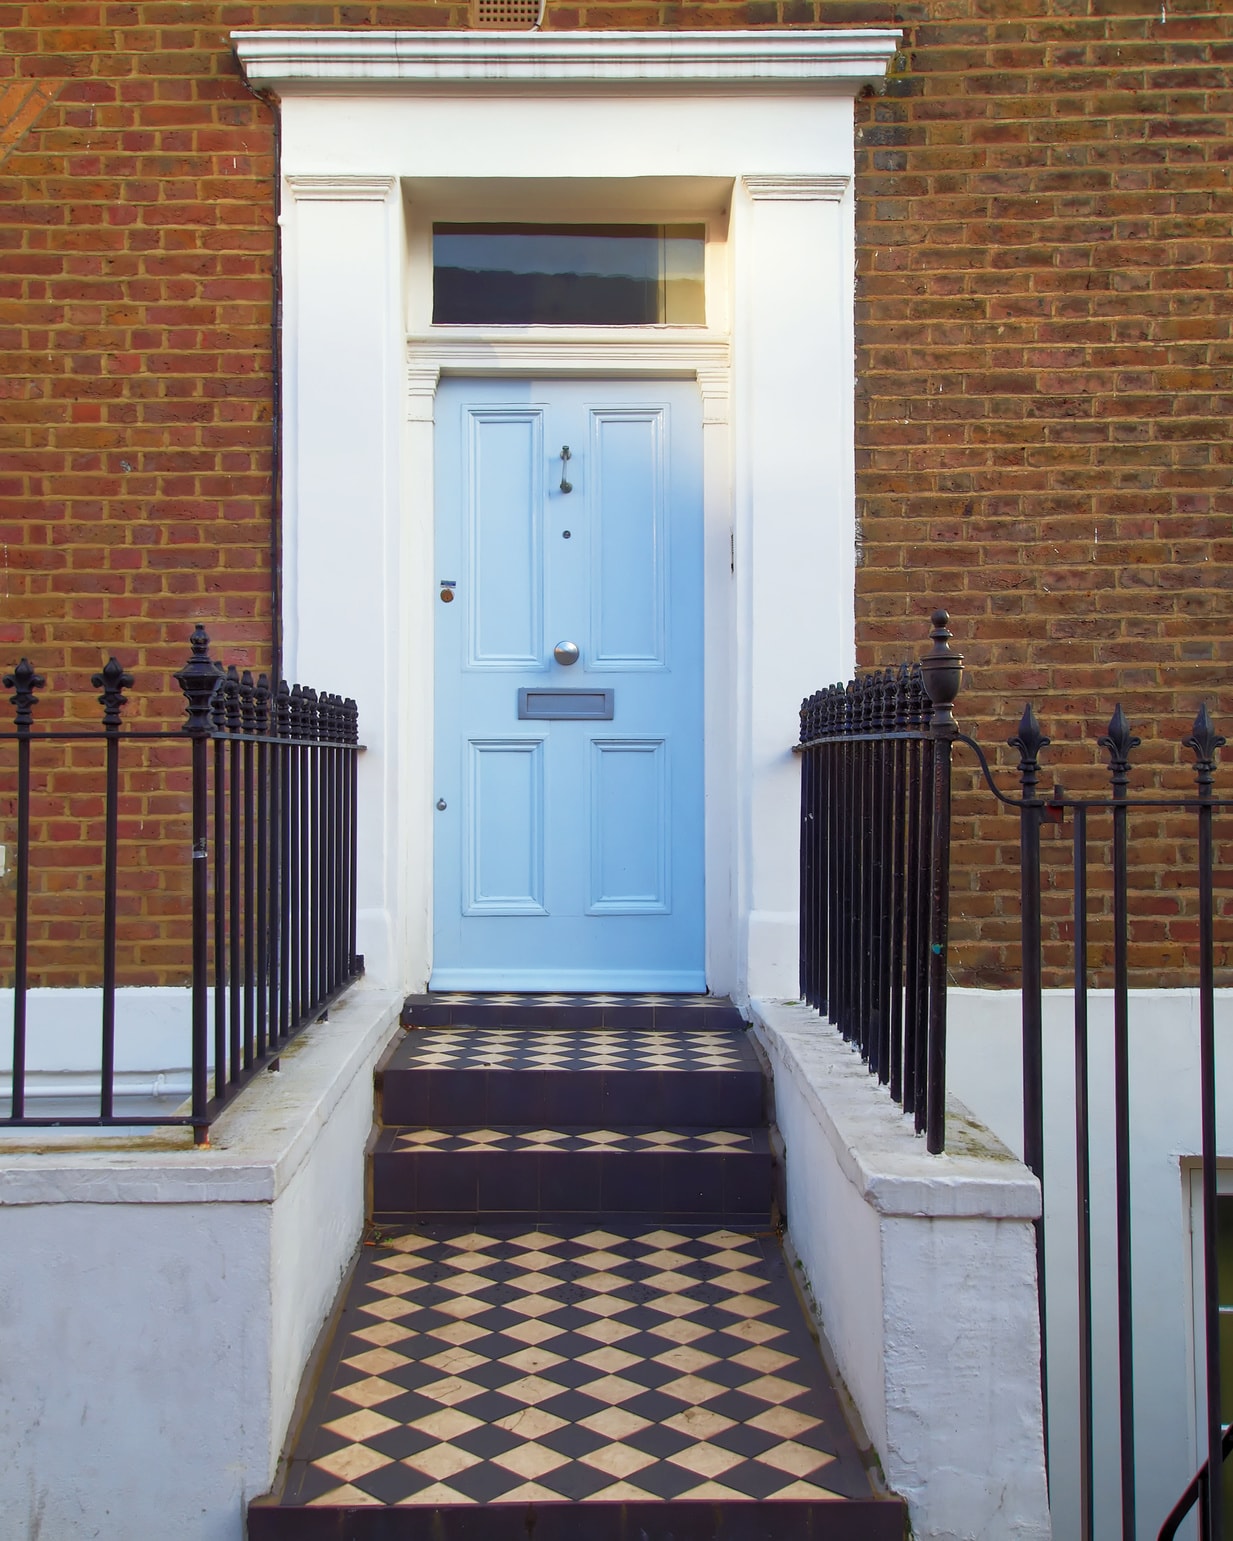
[505, 13]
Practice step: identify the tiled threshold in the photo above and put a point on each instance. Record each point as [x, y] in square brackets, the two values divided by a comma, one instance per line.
[556, 1382]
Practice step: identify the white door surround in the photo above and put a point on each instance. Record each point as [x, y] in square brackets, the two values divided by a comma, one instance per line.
[750, 132]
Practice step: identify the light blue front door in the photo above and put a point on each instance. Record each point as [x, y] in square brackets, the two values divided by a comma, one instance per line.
[569, 796]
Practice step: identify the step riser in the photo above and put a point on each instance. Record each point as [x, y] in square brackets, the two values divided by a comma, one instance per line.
[853, 1520]
[421, 1012]
[554, 1097]
[729, 1187]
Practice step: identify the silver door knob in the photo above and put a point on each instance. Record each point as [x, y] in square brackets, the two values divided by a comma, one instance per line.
[566, 652]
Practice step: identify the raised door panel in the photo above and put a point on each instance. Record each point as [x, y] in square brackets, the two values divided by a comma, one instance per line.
[630, 834]
[504, 588]
[629, 545]
[503, 823]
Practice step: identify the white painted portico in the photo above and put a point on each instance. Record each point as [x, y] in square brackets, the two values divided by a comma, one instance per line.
[750, 132]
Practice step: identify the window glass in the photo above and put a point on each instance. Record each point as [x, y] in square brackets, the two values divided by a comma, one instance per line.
[567, 275]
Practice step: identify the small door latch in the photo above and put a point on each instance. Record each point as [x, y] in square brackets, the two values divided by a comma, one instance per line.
[440, 805]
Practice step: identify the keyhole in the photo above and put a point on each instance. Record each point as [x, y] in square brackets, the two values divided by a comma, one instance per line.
[564, 534]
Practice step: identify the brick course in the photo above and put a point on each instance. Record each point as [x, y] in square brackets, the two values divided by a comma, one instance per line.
[1044, 360]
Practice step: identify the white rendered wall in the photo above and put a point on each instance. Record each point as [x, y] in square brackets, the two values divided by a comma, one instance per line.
[158, 1303]
[984, 1069]
[357, 483]
[923, 1270]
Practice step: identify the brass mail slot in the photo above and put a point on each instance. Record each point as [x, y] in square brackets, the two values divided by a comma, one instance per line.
[576, 705]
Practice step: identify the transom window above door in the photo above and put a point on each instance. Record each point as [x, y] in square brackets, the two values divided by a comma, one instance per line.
[568, 275]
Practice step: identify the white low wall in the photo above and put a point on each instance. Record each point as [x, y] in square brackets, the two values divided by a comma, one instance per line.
[923, 1270]
[985, 1070]
[158, 1303]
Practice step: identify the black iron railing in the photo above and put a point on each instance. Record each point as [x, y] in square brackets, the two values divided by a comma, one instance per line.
[875, 870]
[1117, 811]
[272, 869]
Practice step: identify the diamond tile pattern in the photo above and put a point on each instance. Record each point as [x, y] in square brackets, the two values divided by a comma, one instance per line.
[683, 1141]
[586, 1366]
[595, 1049]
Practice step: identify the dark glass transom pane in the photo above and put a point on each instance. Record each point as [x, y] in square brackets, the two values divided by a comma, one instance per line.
[568, 275]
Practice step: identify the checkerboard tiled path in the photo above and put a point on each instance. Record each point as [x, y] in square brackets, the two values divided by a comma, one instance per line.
[562, 1336]
[478, 1377]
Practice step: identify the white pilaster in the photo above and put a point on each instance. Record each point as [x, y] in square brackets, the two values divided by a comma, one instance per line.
[341, 359]
[795, 532]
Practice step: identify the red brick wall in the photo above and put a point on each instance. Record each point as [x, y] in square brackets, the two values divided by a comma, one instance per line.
[1044, 357]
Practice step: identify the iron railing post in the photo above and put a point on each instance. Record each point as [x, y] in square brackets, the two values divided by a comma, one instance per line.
[199, 679]
[942, 672]
[113, 682]
[23, 682]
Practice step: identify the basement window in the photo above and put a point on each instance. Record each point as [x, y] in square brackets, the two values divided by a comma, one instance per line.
[568, 275]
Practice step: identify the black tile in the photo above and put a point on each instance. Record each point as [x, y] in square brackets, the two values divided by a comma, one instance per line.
[634, 1097]
[516, 1097]
[748, 1183]
[629, 1016]
[456, 1096]
[507, 1180]
[573, 1097]
[693, 1184]
[395, 1182]
[404, 1097]
[570, 1182]
[630, 1182]
[449, 1183]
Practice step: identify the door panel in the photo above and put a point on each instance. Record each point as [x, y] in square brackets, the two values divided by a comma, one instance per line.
[569, 851]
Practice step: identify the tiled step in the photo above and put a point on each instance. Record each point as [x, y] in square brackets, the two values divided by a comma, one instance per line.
[562, 1383]
[605, 1077]
[690, 1175]
[543, 1010]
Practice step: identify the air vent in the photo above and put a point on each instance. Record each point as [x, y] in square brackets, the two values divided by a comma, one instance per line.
[514, 14]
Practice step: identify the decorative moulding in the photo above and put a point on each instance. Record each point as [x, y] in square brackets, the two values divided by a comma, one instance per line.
[603, 355]
[797, 189]
[486, 59]
[339, 188]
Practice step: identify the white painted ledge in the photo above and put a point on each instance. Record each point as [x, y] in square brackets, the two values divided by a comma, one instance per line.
[875, 1143]
[591, 58]
[923, 1272]
[256, 1147]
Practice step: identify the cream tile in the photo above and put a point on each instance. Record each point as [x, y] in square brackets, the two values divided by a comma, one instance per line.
[527, 1493]
[531, 1389]
[438, 1495]
[600, 1259]
[375, 1361]
[615, 1423]
[699, 1423]
[532, 1331]
[382, 1334]
[754, 1331]
[609, 1359]
[445, 1425]
[351, 1497]
[796, 1460]
[360, 1426]
[370, 1392]
[618, 1460]
[532, 1282]
[450, 1390]
[602, 1239]
[533, 1305]
[770, 1388]
[809, 1491]
[440, 1461]
[670, 1282]
[739, 1283]
[620, 1493]
[407, 1243]
[457, 1332]
[397, 1284]
[390, 1310]
[707, 1460]
[784, 1421]
[461, 1307]
[607, 1331]
[692, 1389]
[612, 1389]
[676, 1305]
[768, 1360]
[712, 1492]
[685, 1359]
[456, 1360]
[533, 1360]
[661, 1239]
[352, 1461]
[605, 1305]
[531, 1460]
[745, 1305]
[602, 1283]
[530, 1423]
[681, 1331]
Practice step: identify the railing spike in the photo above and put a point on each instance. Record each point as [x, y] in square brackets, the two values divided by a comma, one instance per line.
[1119, 740]
[1029, 740]
[1205, 741]
[113, 681]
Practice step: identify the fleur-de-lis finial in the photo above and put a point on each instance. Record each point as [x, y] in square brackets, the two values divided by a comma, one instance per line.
[1029, 740]
[23, 682]
[113, 680]
[1119, 741]
[1205, 741]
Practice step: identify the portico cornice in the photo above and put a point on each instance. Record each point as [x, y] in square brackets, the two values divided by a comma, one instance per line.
[737, 60]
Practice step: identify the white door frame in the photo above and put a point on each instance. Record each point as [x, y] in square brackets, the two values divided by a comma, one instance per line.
[375, 123]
